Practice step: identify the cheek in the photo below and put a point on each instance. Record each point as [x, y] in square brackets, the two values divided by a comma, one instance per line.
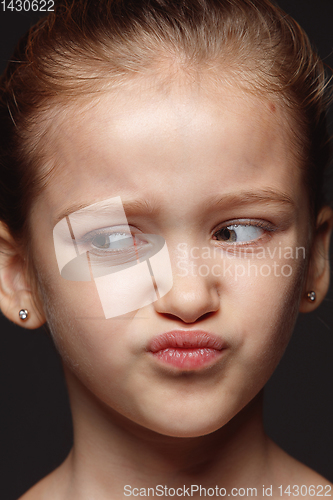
[74, 315]
[98, 351]
[263, 308]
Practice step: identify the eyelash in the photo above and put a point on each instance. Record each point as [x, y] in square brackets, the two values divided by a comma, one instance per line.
[90, 237]
[266, 226]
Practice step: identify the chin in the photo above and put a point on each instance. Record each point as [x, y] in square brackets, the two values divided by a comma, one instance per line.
[196, 417]
[182, 427]
[189, 432]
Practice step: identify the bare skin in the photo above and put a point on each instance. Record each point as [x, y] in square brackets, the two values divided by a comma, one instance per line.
[136, 421]
[208, 461]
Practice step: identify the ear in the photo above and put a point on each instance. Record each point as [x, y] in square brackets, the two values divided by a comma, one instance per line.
[15, 292]
[318, 278]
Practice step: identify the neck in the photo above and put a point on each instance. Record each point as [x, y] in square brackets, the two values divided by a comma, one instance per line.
[110, 451]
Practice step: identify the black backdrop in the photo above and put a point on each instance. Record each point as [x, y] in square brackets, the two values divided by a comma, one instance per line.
[35, 425]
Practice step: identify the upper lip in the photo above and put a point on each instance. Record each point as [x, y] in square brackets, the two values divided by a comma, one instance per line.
[186, 339]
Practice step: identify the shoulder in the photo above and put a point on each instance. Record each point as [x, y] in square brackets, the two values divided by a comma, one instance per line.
[40, 491]
[292, 478]
[51, 487]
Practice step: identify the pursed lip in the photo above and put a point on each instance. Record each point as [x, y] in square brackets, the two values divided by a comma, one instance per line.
[187, 349]
[190, 339]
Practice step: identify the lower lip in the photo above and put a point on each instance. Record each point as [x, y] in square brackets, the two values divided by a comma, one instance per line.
[188, 359]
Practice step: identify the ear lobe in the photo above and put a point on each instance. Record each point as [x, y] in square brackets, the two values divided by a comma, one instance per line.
[318, 277]
[15, 293]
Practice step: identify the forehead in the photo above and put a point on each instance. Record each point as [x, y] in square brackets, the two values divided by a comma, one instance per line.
[187, 141]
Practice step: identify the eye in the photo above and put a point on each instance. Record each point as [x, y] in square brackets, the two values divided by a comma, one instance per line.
[238, 233]
[112, 241]
[116, 245]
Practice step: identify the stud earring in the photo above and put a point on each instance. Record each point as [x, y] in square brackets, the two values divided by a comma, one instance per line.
[23, 314]
[311, 296]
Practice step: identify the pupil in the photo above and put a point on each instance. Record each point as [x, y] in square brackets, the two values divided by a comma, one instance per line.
[226, 234]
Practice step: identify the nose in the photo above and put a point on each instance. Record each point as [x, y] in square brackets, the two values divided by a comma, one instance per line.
[191, 297]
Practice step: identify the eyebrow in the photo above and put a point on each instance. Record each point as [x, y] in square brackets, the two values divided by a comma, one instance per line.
[131, 207]
[244, 198]
[144, 206]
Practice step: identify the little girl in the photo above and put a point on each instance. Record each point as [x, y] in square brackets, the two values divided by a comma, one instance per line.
[162, 210]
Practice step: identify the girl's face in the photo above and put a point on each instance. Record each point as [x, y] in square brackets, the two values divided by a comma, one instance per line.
[213, 174]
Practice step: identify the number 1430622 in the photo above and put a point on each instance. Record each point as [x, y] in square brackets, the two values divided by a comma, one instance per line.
[28, 5]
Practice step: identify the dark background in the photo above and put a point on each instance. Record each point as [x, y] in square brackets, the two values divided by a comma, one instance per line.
[35, 425]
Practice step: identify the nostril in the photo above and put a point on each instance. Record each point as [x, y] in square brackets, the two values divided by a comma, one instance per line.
[175, 317]
[188, 318]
